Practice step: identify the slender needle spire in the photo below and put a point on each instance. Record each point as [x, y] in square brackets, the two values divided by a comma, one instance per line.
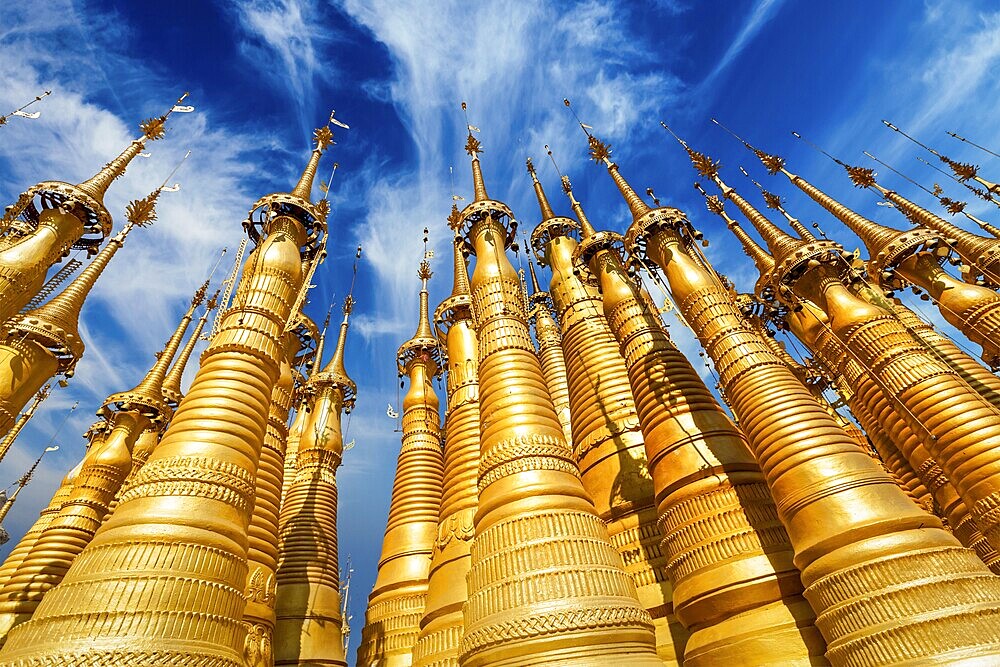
[778, 242]
[761, 259]
[473, 147]
[543, 201]
[152, 129]
[8, 439]
[773, 201]
[172, 382]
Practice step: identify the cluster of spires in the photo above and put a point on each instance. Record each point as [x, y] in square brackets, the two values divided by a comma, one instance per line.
[264, 358]
[587, 499]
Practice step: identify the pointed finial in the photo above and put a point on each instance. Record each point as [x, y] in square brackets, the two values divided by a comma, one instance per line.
[422, 344]
[152, 130]
[534, 278]
[172, 382]
[586, 229]
[651, 195]
[761, 258]
[460, 286]
[962, 139]
[20, 111]
[323, 139]
[473, 147]
[772, 163]
[148, 396]
[773, 201]
[543, 201]
[862, 177]
[703, 164]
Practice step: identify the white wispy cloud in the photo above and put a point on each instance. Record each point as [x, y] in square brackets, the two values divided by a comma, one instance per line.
[762, 12]
[285, 40]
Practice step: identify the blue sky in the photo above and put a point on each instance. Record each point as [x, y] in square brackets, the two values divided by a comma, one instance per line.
[264, 73]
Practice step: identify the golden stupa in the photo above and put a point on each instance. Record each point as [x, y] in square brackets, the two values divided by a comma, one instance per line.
[574, 493]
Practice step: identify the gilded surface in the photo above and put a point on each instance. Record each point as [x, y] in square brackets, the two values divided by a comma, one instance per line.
[176, 546]
[728, 556]
[859, 541]
[309, 623]
[396, 604]
[544, 575]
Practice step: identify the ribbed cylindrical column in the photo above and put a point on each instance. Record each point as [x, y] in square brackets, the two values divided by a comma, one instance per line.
[730, 560]
[973, 310]
[163, 581]
[550, 356]
[811, 327]
[309, 630]
[442, 623]
[969, 369]
[292, 443]
[959, 427]
[546, 587]
[608, 441]
[262, 553]
[397, 601]
[862, 546]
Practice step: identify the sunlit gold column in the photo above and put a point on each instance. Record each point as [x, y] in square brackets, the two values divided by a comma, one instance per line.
[309, 623]
[934, 398]
[607, 436]
[396, 603]
[886, 581]
[65, 216]
[735, 584]
[906, 442]
[442, 622]
[899, 259]
[162, 582]
[262, 552]
[130, 414]
[545, 587]
[811, 326]
[550, 352]
[861, 384]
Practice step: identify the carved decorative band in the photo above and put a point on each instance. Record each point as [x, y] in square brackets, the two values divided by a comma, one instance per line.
[592, 618]
[191, 476]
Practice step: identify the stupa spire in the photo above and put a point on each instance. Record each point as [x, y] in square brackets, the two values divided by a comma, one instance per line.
[761, 259]
[396, 604]
[303, 188]
[778, 242]
[173, 513]
[543, 201]
[152, 129]
[172, 382]
[773, 201]
[954, 206]
[473, 147]
[964, 171]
